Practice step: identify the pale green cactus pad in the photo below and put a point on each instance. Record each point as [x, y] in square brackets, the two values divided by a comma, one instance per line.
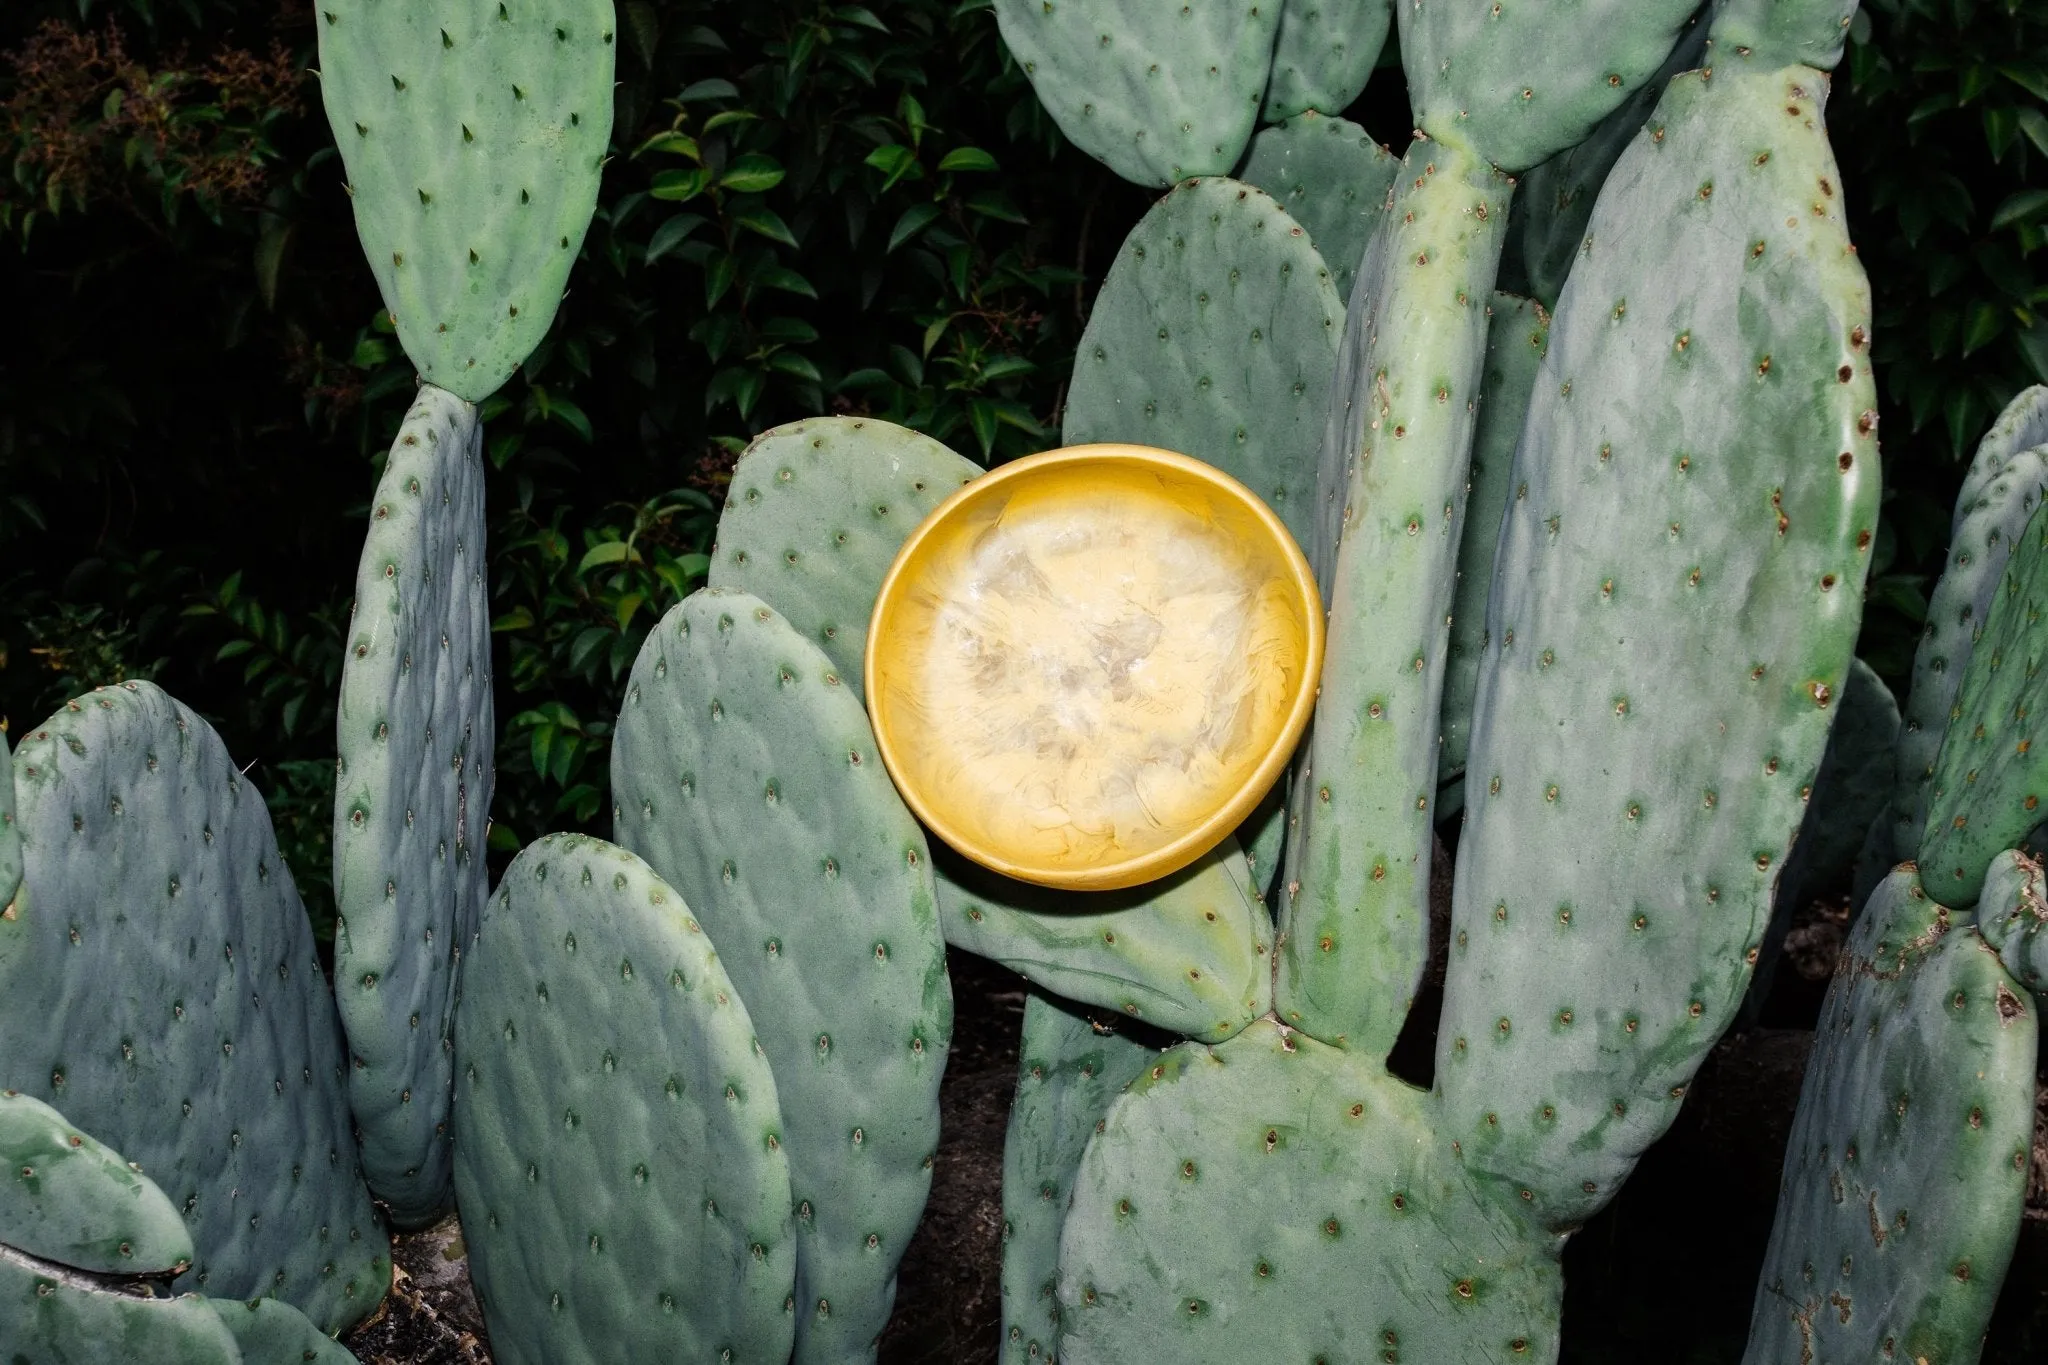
[619, 1153]
[53, 1316]
[1325, 54]
[1784, 32]
[473, 134]
[1071, 1066]
[1332, 178]
[744, 771]
[1215, 335]
[1157, 93]
[413, 733]
[1906, 1173]
[2023, 426]
[219, 1064]
[815, 515]
[2013, 916]
[66, 1198]
[272, 1332]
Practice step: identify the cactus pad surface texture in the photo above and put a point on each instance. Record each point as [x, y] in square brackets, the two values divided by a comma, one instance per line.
[10, 841]
[51, 1316]
[219, 1065]
[1906, 1172]
[272, 1332]
[1324, 54]
[1332, 178]
[2013, 917]
[473, 134]
[745, 772]
[68, 1199]
[414, 733]
[619, 1153]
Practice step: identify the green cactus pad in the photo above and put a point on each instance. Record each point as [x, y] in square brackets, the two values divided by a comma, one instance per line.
[1475, 79]
[1311, 1213]
[743, 770]
[1263, 837]
[1678, 589]
[815, 515]
[1906, 1172]
[1987, 527]
[618, 1154]
[1784, 32]
[11, 902]
[473, 135]
[1190, 953]
[1991, 776]
[412, 796]
[1516, 337]
[272, 1332]
[1354, 912]
[53, 1316]
[66, 1198]
[1332, 178]
[1157, 93]
[1325, 54]
[2013, 917]
[2023, 426]
[1071, 1067]
[219, 1065]
[1214, 335]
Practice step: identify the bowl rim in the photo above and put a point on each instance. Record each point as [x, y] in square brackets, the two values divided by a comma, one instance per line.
[1201, 838]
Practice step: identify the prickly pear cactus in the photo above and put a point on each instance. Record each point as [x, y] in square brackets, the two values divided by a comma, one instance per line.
[1332, 178]
[2022, 427]
[619, 1142]
[1784, 32]
[53, 1316]
[1071, 1067]
[816, 513]
[744, 771]
[11, 903]
[473, 134]
[1906, 1173]
[272, 1332]
[2013, 917]
[413, 779]
[1324, 54]
[66, 1198]
[219, 1066]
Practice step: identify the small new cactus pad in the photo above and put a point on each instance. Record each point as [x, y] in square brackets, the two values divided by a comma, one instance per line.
[1981, 542]
[1190, 953]
[412, 795]
[618, 1154]
[1472, 80]
[1214, 336]
[1516, 336]
[815, 515]
[1332, 178]
[1784, 32]
[2013, 917]
[744, 771]
[1157, 93]
[11, 902]
[1325, 54]
[66, 1198]
[1071, 1066]
[1906, 1173]
[1991, 775]
[1554, 201]
[272, 1332]
[1676, 599]
[2023, 426]
[1275, 1199]
[219, 1063]
[50, 1315]
[473, 135]
[1354, 912]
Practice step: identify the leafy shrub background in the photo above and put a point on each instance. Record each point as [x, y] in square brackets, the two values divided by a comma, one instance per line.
[812, 208]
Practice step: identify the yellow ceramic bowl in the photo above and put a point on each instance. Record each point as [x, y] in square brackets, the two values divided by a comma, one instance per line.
[1086, 668]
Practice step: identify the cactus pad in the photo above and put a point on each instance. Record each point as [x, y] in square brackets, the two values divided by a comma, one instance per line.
[272, 1332]
[815, 515]
[1325, 54]
[11, 903]
[1785, 32]
[744, 771]
[1906, 1171]
[1678, 589]
[2013, 917]
[1332, 178]
[66, 1198]
[53, 1316]
[1214, 335]
[619, 1152]
[219, 1064]
[473, 135]
[412, 796]
[2023, 426]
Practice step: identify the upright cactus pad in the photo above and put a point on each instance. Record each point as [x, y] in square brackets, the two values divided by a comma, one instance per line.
[1071, 1066]
[815, 515]
[619, 1152]
[1157, 93]
[2023, 426]
[1354, 911]
[473, 134]
[219, 1063]
[1784, 32]
[1190, 953]
[1906, 1172]
[272, 1332]
[1332, 178]
[66, 1198]
[1214, 335]
[1989, 780]
[1325, 54]
[2013, 916]
[412, 797]
[1275, 1199]
[1677, 596]
[1473, 78]
[744, 771]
